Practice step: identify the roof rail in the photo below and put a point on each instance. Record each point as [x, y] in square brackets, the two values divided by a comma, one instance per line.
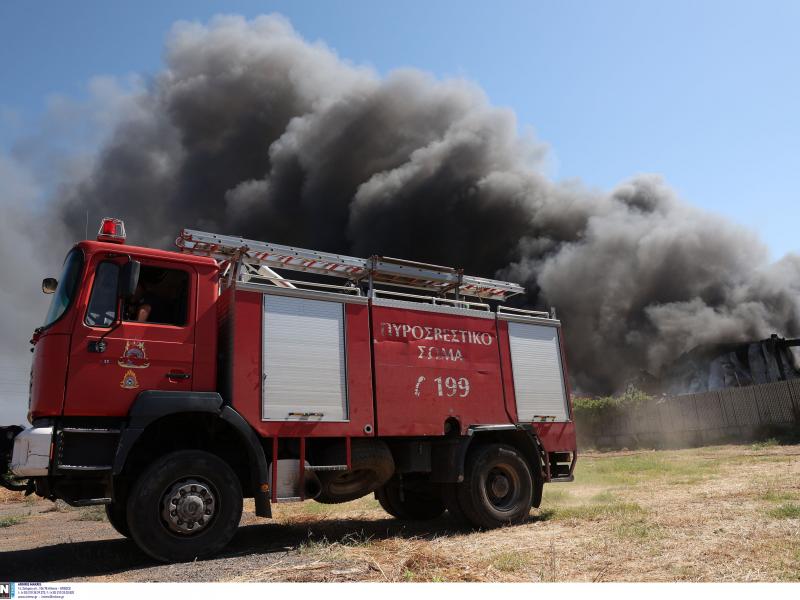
[376, 269]
[436, 301]
[525, 312]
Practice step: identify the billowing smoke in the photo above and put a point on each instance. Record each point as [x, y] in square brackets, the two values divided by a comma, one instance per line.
[251, 130]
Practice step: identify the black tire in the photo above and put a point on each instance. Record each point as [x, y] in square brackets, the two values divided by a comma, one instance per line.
[200, 485]
[372, 465]
[449, 492]
[116, 513]
[416, 500]
[497, 488]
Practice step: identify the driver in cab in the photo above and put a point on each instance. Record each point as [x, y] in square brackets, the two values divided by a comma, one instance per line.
[140, 305]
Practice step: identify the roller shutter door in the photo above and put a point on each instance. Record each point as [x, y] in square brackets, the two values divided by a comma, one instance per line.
[304, 361]
[536, 364]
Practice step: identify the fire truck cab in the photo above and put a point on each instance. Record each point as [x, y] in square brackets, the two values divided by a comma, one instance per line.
[168, 386]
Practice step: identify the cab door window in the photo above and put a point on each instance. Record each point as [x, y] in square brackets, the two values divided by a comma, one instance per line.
[161, 297]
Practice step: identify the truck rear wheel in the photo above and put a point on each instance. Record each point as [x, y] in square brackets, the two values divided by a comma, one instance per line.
[116, 514]
[414, 501]
[497, 488]
[371, 466]
[186, 505]
[451, 503]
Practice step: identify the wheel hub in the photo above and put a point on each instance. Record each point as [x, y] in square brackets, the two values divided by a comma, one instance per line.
[189, 506]
[500, 486]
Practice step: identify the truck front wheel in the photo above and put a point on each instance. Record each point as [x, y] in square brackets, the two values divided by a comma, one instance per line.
[497, 488]
[186, 505]
[116, 514]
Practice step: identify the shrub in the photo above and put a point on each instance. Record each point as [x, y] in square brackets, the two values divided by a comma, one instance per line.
[595, 406]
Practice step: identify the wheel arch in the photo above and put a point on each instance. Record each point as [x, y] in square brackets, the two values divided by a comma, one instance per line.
[160, 422]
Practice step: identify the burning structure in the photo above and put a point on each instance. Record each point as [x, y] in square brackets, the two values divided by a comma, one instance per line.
[720, 366]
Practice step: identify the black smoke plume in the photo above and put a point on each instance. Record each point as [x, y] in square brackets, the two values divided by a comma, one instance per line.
[251, 130]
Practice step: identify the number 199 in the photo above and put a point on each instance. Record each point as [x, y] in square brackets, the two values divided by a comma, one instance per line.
[453, 386]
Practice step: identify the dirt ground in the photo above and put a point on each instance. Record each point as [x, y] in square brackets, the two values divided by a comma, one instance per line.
[727, 513]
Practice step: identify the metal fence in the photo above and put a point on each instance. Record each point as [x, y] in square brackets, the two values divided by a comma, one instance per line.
[736, 414]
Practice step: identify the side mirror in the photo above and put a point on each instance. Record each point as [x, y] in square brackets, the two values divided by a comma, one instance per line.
[129, 279]
[49, 285]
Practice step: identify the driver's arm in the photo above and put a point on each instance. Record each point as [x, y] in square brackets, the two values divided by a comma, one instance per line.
[143, 312]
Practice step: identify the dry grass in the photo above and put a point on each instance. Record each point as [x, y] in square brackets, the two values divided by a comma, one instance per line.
[686, 515]
[59, 506]
[9, 496]
[92, 513]
[355, 557]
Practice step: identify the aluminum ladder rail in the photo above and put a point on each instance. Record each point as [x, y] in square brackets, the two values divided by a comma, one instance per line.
[378, 269]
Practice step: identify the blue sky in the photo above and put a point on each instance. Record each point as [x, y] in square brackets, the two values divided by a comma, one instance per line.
[704, 93]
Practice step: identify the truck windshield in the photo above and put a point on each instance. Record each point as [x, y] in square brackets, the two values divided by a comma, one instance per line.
[67, 286]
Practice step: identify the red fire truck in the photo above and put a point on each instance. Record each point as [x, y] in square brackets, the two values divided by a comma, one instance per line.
[169, 386]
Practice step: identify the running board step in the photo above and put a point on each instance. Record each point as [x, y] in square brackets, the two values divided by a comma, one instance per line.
[84, 467]
[90, 502]
[88, 430]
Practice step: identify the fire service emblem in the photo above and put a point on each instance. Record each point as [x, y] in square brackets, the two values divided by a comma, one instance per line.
[134, 356]
[129, 381]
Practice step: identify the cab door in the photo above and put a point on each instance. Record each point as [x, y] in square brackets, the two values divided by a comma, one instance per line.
[113, 359]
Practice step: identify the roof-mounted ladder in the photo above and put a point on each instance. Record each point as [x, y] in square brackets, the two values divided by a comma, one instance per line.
[263, 257]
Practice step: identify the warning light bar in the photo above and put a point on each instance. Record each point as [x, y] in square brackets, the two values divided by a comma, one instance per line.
[111, 230]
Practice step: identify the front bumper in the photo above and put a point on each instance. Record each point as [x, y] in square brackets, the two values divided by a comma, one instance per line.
[24, 453]
[31, 455]
[32, 460]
